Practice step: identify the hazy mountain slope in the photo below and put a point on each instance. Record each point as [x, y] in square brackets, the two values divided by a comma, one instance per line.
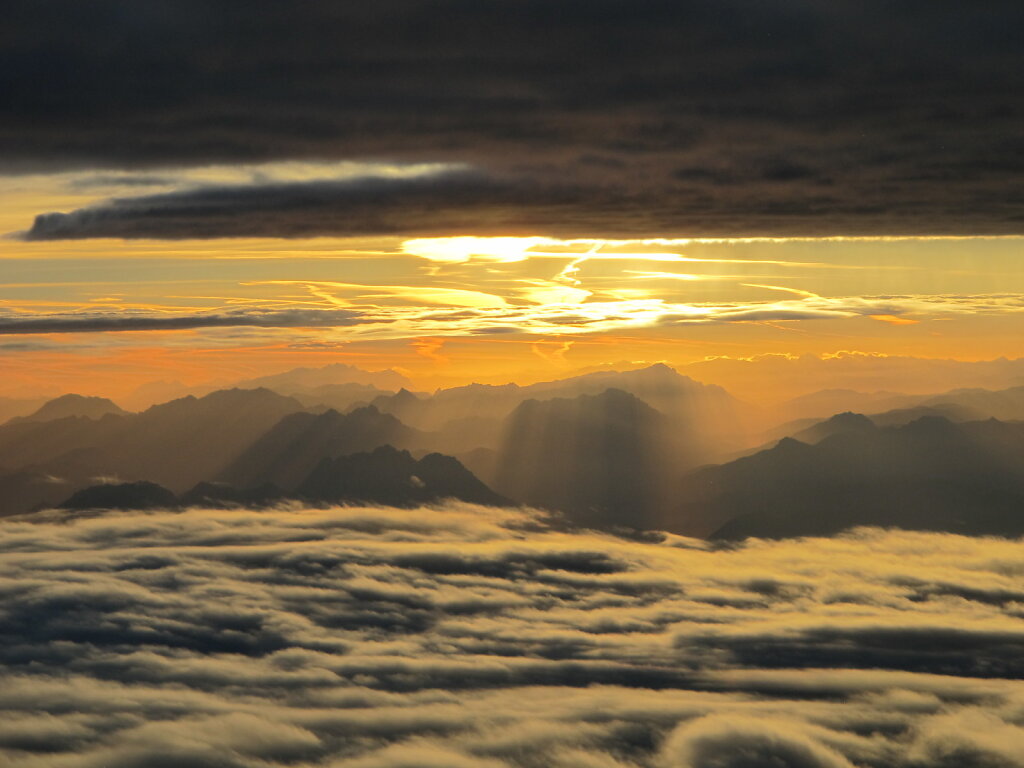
[930, 474]
[287, 453]
[302, 380]
[176, 444]
[1003, 404]
[826, 402]
[602, 458]
[957, 404]
[29, 443]
[74, 405]
[340, 397]
[713, 419]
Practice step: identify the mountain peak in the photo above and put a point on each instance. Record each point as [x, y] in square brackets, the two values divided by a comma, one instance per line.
[789, 445]
[75, 405]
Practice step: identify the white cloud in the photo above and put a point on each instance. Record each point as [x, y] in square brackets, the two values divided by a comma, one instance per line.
[458, 635]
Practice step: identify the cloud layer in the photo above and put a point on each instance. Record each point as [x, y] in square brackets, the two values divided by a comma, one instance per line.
[703, 116]
[459, 312]
[460, 636]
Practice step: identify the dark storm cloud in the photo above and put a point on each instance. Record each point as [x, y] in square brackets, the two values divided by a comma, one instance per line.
[86, 322]
[436, 204]
[704, 116]
[381, 638]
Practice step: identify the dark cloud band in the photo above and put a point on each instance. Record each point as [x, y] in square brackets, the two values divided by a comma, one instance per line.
[703, 116]
[90, 323]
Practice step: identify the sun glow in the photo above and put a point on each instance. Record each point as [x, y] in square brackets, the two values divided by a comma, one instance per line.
[458, 250]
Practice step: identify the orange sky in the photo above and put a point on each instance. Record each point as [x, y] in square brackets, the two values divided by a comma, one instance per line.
[448, 311]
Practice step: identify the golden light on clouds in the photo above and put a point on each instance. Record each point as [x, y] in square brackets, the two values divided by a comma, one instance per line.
[894, 320]
[539, 295]
[458, 250]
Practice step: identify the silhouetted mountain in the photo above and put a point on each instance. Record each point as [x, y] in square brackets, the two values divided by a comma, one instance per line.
[601, 458]
[821, 404]
[292, 448]
[139, 495]
[901, 416]
[839, 424]
[184, 441]
[814, 430]
[1003, 404]
[339, 397]
[930, 474]
[393, 477]
[32, 443]
[403, 404]
[956, 405]
[74, 405]
[712, 419]
[176, 444]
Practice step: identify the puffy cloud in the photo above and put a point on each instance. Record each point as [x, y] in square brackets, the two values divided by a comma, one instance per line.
[458, 635]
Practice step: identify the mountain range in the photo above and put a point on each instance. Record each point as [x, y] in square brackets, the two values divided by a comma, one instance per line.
[640, 449]
[930, 474]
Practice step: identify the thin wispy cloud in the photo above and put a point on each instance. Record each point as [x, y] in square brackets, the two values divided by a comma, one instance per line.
[543, 308]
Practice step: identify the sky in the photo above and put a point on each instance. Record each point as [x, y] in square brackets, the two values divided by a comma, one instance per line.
[463, 191]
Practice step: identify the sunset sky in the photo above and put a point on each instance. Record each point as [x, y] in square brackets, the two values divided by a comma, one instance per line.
[742, 286]
[198, 198]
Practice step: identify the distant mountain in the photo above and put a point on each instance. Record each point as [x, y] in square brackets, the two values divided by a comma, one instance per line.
[839, 424]
[408, 406]
[601, 458]
[184, 441]
[302, 380]
[140, 495]
[25, 444]
[154, 392]
[957, 404]
[339, 397]
[713, 419]
[1003, 404]
[812, 431]
[829, 401]
[393, 477]
[176, 444]
[930, 474]
[898, 417]
[74, 405]
[383, 476]
[294, 446]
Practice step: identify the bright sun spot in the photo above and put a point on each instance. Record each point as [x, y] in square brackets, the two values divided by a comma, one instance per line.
[457, 250]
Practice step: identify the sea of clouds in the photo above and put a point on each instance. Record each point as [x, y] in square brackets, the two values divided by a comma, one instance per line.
[465, 637]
